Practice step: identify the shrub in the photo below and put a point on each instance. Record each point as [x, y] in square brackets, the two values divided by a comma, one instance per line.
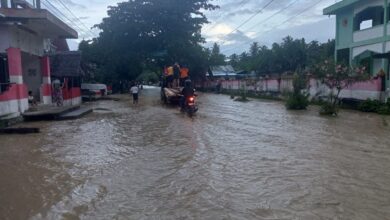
[243, 94]
[384, 109]
[329, 109]
[370, 106]
[297, 100]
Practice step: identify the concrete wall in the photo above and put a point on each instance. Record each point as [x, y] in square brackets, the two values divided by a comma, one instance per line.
[366, 4]
[32, 75]
[11, 36]
[377, 48]
[344, 29]
[14, 101]
[368, 34]
[361, 91]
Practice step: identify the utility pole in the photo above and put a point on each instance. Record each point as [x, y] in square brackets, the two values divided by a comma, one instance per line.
[4, 4]
[38, 4]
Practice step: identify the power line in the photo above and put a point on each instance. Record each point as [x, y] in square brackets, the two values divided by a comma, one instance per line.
[70, 11]
[242, 3]
[273, 28]
[273, 15]
[59, 13]
[250, 18]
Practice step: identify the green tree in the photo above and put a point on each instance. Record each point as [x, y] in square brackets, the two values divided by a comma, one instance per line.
[142, 33]
[289, 55]
[234, 60]
[216, 58]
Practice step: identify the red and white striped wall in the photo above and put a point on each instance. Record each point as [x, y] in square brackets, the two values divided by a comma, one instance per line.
[15, 100]
[72, 96]
[46, 81]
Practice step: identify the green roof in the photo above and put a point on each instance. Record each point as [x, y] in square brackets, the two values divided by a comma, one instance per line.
[331, 10]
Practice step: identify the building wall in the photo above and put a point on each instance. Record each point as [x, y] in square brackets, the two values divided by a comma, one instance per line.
[344, 29]
[365, 4]
[368, 34]
[32, 75]
[370, 89]
[72, 96]
[14, 101]
[11, 36]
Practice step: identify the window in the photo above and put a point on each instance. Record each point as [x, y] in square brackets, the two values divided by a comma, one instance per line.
[369, 17]
[366, 24]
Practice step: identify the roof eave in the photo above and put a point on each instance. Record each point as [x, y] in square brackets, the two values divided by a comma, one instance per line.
[39, 15]
[333, 9]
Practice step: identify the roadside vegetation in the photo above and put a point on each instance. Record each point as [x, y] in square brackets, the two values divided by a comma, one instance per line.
[337, 77]
[375, 106]
[299, 98]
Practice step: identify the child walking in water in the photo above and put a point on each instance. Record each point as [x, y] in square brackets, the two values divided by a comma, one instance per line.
[134, 90]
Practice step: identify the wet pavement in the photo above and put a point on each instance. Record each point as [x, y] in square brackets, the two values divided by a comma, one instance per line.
[232, 160]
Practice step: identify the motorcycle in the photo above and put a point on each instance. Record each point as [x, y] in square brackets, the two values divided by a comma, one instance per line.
[190, 106]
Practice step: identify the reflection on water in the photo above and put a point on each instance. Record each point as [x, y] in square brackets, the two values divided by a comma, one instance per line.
[232, 161]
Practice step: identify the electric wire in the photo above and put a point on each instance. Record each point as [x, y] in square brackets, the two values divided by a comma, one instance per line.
[273, 28]
[77, 18]
[241, 4]
[60, 14]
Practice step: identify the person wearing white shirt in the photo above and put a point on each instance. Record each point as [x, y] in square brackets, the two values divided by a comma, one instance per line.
[134, 90]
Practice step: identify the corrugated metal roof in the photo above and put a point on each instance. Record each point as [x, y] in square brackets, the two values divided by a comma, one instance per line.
[226, 70]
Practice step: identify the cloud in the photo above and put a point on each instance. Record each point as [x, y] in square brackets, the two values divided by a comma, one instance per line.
[73, 4]
[311, 31]
[299, 18]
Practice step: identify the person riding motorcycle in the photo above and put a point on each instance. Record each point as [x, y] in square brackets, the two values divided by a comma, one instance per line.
[187, 92]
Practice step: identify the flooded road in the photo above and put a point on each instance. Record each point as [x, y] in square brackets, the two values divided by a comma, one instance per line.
[232, 161]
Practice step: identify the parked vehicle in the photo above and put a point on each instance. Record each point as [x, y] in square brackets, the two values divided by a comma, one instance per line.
[93, 91]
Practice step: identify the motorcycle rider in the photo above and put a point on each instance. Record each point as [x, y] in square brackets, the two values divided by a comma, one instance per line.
[187, 92]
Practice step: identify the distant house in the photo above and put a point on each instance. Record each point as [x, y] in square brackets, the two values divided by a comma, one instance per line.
[226, 72]
[363, 34]
[27, 34]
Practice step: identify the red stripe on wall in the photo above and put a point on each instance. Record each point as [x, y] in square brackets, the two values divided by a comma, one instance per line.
[14, 61]
[71, 93]
[46, 90]
[15, 92]
[45, 66]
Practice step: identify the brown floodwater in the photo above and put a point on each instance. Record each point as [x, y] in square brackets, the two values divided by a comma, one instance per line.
[232, 160]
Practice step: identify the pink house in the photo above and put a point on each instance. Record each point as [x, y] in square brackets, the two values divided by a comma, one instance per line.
[26, 40]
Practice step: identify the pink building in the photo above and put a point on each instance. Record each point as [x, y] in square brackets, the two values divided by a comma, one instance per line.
[26, 39]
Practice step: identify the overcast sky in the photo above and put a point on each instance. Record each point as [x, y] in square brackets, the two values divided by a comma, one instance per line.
[297, 18]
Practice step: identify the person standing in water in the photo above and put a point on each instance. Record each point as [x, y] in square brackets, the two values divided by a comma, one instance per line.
[57, 92]
[134, 90]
